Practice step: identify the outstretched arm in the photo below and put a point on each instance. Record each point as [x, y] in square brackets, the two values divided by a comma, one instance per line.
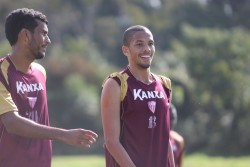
[16, 124]
[110, 109]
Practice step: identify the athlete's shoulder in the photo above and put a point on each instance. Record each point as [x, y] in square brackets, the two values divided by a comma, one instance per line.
[4, 66]
[39, 67]
[121, 79]
[121, 75]
[118, 76]
[4, 61]
[165, 80]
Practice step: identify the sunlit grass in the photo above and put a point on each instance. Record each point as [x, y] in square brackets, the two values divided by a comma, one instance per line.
[78, 161]
[201, 160]
[194, 160]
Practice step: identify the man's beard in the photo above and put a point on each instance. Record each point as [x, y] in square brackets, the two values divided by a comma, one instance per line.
[145, 66]
[39, 56]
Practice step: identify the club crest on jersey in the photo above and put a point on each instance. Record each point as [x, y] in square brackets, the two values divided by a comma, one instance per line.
[151, 106]
[32, 101]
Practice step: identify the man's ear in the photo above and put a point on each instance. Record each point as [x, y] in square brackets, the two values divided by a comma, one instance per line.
[25, 35]
[125, 50]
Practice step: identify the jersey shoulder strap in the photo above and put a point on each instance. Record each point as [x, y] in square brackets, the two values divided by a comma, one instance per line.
[167, 84]
[124, 85]
[123, 79]
[166, 81]
[40, 68]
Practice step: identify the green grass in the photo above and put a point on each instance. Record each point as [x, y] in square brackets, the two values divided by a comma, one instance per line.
[78, 161]
[202, 160]
[194, 160]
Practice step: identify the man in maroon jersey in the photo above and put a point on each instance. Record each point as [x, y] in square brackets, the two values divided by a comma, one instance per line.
[136, 129]
[25, 134]
[177, 141]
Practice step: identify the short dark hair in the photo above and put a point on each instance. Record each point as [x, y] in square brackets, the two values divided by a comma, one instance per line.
[128, 33]
[19, 19]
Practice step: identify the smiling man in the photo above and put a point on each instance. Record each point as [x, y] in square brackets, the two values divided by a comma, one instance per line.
[25, 134]
[135, 108]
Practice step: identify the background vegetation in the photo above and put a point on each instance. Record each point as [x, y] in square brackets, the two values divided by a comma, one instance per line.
[202, 45]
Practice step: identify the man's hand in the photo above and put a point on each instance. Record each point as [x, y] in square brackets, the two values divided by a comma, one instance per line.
[79, 137]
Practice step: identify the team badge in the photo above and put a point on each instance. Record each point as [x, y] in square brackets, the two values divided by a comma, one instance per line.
[32, 101]
[151, 106]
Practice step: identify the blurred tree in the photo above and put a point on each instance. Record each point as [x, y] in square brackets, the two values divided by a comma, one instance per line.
[206, 61]
[216, 61]
[4, 48]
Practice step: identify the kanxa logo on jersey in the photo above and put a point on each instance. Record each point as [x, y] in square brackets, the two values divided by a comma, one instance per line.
[22, 87]
[141, 95]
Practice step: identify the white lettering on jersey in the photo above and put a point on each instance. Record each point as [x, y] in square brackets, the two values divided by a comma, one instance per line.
[147, 94]
[152, 122]
[32, 115]
[22, 88]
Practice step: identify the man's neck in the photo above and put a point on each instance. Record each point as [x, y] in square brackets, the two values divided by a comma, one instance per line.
[20, 62]
[142, 75]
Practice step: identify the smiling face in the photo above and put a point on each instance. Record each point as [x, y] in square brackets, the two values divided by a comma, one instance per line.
[141, 49]
[39, 40]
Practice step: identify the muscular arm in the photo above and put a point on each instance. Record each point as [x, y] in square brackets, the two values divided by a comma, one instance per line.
[16, 124]
[110, 109]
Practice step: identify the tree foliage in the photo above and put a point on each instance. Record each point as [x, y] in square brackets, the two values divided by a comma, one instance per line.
[217, 60]
[202, 47]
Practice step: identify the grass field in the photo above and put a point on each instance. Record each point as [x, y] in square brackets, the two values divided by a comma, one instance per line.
[194, 160]
[78, 161]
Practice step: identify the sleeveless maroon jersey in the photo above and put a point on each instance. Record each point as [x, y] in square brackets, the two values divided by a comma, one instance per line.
[27, 92]
[144, 123]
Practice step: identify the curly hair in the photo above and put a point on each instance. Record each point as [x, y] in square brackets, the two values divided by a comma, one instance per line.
[19, 19]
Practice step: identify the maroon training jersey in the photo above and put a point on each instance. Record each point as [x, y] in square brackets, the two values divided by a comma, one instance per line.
[25, 93]
[144, 123]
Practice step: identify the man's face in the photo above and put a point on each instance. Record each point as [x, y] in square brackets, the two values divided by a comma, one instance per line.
[141, 49]
[39, 40]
